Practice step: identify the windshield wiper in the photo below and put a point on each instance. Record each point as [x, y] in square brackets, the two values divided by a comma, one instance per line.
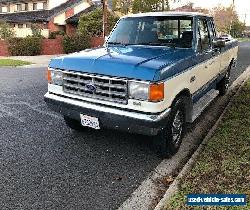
[117, 43]
[157, 44]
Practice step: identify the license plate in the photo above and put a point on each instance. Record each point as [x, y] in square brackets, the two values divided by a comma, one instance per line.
[88, 121]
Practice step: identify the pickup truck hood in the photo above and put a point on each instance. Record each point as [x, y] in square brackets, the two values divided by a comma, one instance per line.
[133, 62]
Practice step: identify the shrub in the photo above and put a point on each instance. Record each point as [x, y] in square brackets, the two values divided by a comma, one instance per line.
[36, 30]
[6, 31]
[28, 46]
[76, 43]
[53, 34]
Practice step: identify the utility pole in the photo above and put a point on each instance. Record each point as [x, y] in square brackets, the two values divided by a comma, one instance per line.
[105, 18]
[245, 19]
[230, 28]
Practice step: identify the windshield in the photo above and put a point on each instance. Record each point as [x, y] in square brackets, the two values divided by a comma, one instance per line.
[167, 31]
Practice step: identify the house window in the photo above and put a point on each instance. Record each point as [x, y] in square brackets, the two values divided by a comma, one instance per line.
[28, 25]
[20, 25]
[34, 6]
[45, 5]
[26, 7]
[4, 9]
[19, 7]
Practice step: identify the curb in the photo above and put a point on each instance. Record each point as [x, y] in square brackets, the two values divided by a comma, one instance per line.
[173, 188]
[34, 66]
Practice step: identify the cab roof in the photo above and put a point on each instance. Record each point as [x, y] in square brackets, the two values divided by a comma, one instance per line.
[171, 14]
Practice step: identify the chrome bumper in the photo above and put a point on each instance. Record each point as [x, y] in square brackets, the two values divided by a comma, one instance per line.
[114, 118]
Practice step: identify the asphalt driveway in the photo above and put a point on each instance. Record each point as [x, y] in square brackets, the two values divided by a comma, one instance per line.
[45, 165]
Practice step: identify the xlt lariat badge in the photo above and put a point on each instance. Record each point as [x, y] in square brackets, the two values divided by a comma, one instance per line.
[91, 88]
[137, 103]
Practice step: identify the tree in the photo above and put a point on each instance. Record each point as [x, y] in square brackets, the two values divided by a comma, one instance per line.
[91, 24]
[145, 5]
[122, 6]
[227, 20]
[6, 31]
[237, 28]
[126, 6]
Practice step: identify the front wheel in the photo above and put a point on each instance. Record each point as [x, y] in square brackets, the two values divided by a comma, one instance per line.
[171, 137]
[224, 84]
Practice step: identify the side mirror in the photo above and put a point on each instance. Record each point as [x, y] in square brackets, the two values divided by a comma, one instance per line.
[219, 44]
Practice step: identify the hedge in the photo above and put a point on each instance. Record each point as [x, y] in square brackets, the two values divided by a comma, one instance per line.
[28, 46]
[53, 34]
[75, 43]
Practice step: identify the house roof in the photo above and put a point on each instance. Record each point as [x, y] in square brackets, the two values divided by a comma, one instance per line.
[37, 16]
[74, 19]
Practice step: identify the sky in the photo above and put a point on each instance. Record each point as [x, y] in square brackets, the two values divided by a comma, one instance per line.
[242, 6]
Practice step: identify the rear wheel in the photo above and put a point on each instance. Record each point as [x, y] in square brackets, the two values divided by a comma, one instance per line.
[171, 137]
[224, 83]
[73, 124]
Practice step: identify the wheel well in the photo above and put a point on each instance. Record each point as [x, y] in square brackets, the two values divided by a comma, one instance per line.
[185, 93]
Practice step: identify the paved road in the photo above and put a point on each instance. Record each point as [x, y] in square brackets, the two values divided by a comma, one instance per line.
[45, 165]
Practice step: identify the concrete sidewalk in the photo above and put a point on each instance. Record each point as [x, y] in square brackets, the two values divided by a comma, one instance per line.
[37, 61]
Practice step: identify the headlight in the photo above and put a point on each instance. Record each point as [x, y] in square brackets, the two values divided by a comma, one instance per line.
[55, 77]
[138, 90]
[145, 91]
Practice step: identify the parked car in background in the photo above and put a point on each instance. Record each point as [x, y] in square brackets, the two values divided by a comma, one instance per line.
[226, 37]
[156, 73]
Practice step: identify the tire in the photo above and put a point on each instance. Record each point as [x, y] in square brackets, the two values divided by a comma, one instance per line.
[171, 137]
[73, 124]
[223, 85]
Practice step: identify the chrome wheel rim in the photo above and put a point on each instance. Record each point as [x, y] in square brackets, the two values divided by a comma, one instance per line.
[177, 127]
[227, 80]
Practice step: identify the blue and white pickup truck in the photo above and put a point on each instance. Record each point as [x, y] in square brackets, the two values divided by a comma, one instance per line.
[155, 73]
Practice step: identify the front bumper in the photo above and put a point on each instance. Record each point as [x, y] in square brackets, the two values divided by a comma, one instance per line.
[109, 117]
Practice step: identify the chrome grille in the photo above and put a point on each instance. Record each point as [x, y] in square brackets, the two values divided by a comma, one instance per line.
[105, 88]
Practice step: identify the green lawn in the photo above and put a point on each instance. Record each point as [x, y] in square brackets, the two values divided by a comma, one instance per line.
[13, 63]
[224, 165]
[243, 39]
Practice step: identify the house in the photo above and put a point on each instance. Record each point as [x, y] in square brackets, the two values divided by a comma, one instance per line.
[190, 8]
[47, 15]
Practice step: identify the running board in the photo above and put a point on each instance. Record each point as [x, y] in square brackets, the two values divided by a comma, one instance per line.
[203, 103]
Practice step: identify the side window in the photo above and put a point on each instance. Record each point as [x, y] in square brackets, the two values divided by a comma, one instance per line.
[203, 35]
[212, 31]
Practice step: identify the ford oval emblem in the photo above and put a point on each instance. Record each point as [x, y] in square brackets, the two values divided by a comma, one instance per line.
[91, 88]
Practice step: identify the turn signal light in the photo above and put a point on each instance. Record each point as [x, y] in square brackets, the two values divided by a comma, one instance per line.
[156, 92]
[49, 76]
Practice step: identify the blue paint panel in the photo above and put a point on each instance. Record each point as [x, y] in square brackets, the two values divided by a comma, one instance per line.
[135, 62]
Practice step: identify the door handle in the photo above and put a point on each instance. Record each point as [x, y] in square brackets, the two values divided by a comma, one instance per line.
[193, 78]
